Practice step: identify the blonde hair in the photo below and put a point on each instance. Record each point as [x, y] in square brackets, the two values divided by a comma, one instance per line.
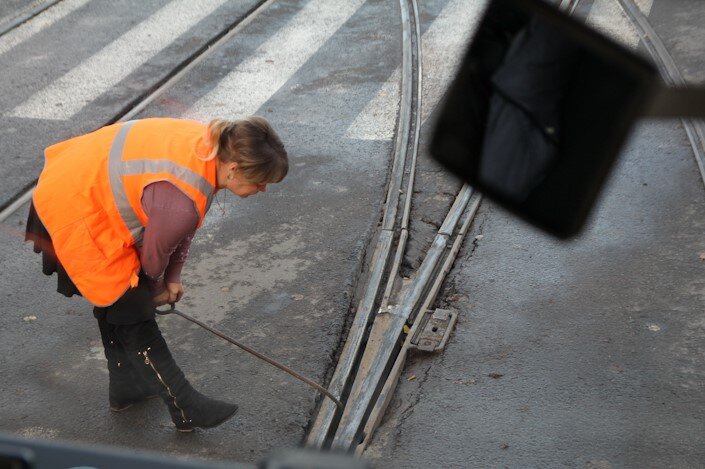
[253, 144]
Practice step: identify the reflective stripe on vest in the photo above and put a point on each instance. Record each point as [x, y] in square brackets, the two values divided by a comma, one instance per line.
[117, 168]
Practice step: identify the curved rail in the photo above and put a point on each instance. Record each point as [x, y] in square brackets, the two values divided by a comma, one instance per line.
[670, 73]
[381, 365]
[406, 144]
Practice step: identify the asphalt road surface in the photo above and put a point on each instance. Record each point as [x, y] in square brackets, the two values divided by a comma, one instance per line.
[580, 354]
[586, 354]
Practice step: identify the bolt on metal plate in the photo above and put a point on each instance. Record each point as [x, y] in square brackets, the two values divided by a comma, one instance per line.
[434, 330]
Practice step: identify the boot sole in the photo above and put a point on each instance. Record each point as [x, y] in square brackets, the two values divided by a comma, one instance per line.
[190, 429]
[117, 410]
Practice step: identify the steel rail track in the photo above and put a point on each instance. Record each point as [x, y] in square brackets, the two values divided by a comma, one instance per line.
[367, 380]
[381, 364]
[671, 74]
[23, 17]
[139, 103]
[328, 417]
[383, 360]
[568, 6]
[390, 383]
[377, 367]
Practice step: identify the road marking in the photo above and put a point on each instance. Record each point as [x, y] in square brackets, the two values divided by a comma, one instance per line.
[607, 17]
[67, 95]
[43, 20]
[443, 46]
[442, 55]
[258, 77]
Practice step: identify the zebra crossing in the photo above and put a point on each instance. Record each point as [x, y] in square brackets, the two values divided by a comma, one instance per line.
[67, 95]
[43, 21]
[262, 74]
[256, 77]
[607, 17]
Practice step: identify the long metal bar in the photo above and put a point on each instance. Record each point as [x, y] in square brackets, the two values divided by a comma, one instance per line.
[417, 72]
[257, 354]
[401, 144]
[384, 338]
[343, 375]
[695, 130]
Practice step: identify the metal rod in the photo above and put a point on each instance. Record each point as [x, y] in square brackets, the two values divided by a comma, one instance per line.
[257, 354]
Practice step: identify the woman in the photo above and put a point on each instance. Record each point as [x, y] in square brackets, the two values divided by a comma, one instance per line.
[113, 215]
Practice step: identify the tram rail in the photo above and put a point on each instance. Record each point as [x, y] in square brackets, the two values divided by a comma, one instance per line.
[139, 103]
[694, 129]
[373, 354]
[376, 347]
[379, 365]
[15, 21]
[327, 420]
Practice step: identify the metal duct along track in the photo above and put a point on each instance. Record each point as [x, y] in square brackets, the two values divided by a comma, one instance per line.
[373, 358]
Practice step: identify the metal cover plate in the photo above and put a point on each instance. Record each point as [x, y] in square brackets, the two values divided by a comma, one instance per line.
[434, 331]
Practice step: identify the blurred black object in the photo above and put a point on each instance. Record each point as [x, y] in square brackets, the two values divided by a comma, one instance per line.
[25, 453]
[538, 112]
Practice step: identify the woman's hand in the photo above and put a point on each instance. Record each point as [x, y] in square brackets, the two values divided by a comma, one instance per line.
[175, 291]
[161, 299]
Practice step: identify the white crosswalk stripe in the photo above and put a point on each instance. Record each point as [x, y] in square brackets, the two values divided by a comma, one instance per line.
[67, 95]
[443, 45]
[42, 21]
[256, 79]
[607, 17]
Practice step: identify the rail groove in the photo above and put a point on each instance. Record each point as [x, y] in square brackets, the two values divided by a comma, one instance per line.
[139, 103]
[22, 18]
[371, 361]
[670, 73]
[379, 365]
[328, 418]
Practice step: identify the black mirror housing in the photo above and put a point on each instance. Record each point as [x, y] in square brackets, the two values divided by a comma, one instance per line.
[539, 111]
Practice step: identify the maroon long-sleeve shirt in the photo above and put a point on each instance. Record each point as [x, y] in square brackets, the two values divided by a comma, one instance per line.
[172, 222]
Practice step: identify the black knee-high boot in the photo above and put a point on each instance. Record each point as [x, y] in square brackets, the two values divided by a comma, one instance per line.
[149, 354]
[126, 386]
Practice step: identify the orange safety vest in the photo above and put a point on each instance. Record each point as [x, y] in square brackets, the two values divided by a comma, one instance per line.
[89, 196]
